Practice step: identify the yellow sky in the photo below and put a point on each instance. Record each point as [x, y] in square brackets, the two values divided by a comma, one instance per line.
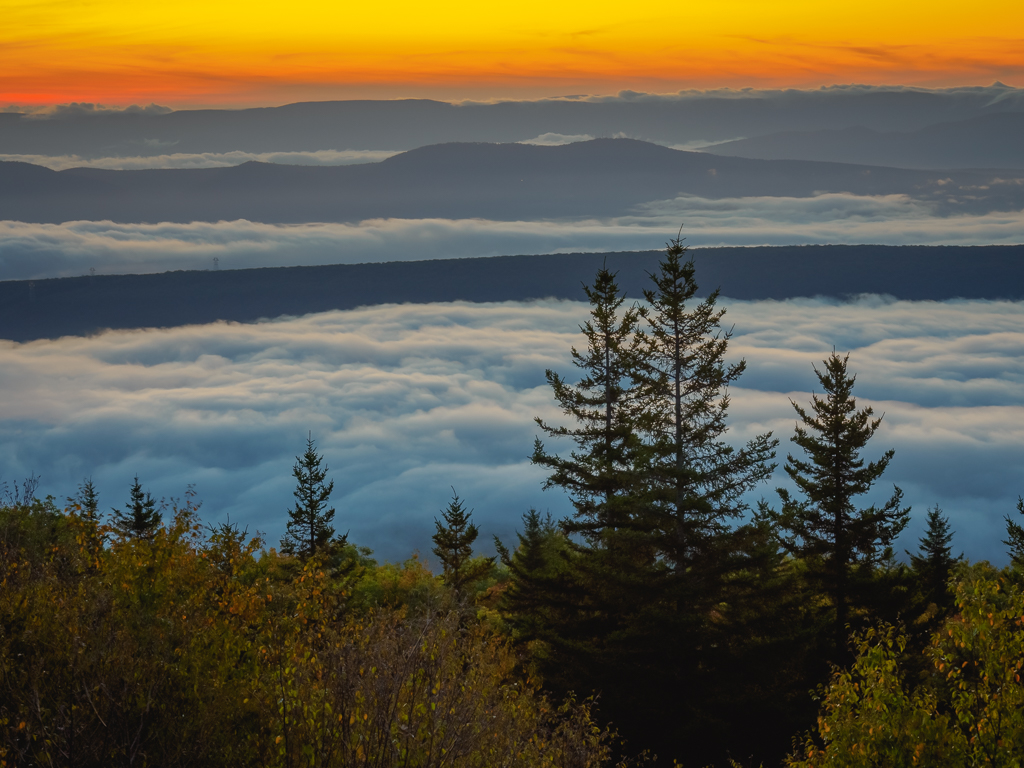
[190, 52]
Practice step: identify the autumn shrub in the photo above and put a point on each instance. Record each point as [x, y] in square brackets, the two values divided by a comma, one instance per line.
[190, 649]
[967, 708]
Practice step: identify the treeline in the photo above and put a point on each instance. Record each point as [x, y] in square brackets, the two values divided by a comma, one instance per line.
[699, 625]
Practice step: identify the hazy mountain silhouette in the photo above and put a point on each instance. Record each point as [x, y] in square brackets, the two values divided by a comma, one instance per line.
[407, 124]
[84, 305]
[605, 177]
[990, 141]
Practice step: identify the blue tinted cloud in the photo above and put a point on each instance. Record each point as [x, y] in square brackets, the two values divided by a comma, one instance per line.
[406, 401]
[35, 251]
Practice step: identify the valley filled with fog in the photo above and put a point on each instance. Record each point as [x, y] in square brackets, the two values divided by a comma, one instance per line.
[407, 401]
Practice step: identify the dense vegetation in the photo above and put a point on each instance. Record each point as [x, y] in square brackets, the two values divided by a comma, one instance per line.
[695, 626]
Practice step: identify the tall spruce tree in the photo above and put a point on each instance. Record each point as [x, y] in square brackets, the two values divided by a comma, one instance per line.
[598, 475]
[655, 489]
[309, 521]
[934, 561]
[140, 518]
[612, 570]
[839, 542]
[453, 545]
[697, 480]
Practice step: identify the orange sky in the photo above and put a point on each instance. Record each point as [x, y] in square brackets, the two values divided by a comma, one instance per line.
[215, 53]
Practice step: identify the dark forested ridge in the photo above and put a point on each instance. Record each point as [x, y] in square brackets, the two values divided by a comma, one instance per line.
[84, 305]
[503, 182]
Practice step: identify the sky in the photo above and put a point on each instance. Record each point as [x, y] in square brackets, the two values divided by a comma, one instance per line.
[406, 402]
[187, 53]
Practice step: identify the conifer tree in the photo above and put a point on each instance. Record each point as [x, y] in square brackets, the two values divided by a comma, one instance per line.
[839, 542]
[655, 490]
[598, 474]
[140, 518]
[535, 577]
[935, 560]
[697, 480]
[309, 525]
[87, 501]
[453, 545]
[1015, 537]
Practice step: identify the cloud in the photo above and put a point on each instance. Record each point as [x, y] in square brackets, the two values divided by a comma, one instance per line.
[83, 109]
[557, 139]
[36, 251]
[405, 401]
[990, 94]
[205, 159]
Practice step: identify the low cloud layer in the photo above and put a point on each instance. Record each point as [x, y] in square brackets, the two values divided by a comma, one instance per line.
[406, 401]
[36, 251]
[205, 159]
[557, 139]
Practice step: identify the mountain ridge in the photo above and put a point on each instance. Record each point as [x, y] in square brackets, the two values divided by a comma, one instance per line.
[504, 182]
[78, 306]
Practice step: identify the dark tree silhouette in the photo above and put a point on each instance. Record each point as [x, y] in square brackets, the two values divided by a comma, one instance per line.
[1015, 537]
[935, 559]
[140, 518]
[87, 501]
[453, 545]
[309, 524]
[839, 542]
[599, 474]
[698, 481]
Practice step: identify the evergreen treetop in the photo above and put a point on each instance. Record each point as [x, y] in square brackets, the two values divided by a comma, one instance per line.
[453, 545]
[309, 524]
[935, 560]
[597, 475]
[824, 526]
[1015, 537]
[696, 479]
[140, 518]
[87, 501]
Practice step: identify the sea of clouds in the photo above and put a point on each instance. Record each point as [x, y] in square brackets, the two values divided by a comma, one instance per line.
[407, 401]
[36, 251]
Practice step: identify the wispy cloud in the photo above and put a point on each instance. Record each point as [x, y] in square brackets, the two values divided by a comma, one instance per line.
[34, 251]
[557, 139]
[205, 159]
[408, 400]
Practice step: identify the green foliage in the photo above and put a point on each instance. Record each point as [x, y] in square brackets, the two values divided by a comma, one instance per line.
[968, 710]
[309, 521]
[453, 545]
[178, 650]
[140, 518]
[840, 543]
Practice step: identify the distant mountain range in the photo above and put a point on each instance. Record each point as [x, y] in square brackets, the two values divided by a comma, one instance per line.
[86, 305]
[990, 141]
[506, 182]
[408, 124]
